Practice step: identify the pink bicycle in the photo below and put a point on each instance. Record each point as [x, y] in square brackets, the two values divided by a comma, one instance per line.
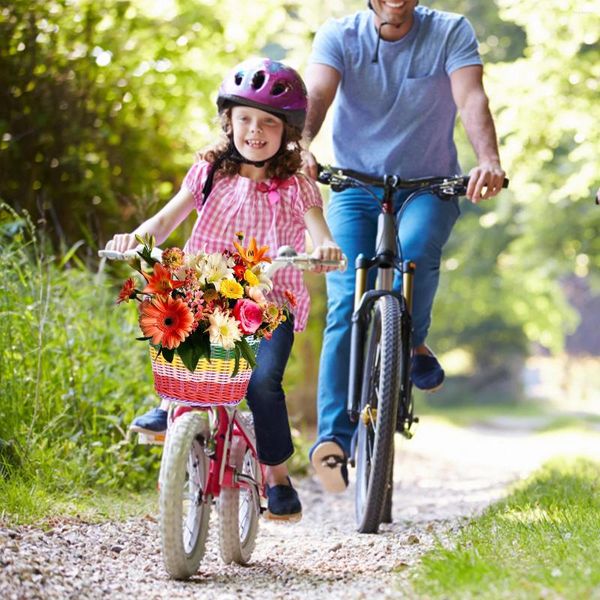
[210, 458]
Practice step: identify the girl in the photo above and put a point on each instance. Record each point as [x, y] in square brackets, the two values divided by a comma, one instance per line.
[250, 182]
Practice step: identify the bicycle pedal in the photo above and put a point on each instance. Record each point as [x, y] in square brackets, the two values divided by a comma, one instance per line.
[151, 439]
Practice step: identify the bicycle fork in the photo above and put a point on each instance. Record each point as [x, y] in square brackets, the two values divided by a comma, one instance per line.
[386, 262]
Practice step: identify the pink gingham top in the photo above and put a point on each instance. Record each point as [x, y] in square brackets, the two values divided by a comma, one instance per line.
[271, 211]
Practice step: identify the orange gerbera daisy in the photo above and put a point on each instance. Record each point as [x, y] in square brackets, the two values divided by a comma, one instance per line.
[253, 255]
[160, 281]
[167, 321]
[127, 291]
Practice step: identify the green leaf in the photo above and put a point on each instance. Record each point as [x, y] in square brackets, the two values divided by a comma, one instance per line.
[195, 347]
[247, 352]
[168, 353]
[70, 253]
[238, 354]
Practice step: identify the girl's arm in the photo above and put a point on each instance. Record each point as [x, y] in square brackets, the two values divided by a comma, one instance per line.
[325, 246]
[160, 225]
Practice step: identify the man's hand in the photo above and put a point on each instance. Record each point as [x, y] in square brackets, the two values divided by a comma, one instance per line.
[485, 181]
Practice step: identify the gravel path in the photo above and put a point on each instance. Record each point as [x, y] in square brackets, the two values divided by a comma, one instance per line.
[446, 474]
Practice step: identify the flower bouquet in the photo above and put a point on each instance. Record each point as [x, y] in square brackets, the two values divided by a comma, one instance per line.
[204, 315]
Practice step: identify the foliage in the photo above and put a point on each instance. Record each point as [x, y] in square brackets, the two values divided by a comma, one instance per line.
[67, 395]
[104, 103]
[508, 258]
[499, 40]
[540, 542]
[549, 121]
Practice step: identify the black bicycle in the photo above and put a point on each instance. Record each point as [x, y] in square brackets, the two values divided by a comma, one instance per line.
[380, 397]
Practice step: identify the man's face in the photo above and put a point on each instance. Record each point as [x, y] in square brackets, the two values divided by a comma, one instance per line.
[396, 12]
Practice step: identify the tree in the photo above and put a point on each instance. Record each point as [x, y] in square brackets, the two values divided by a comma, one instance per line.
[508, 257]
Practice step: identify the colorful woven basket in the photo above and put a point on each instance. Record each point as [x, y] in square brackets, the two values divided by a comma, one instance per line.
[210, 384]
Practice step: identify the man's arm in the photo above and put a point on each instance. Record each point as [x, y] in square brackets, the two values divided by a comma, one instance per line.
[321, 82]
[472, 102]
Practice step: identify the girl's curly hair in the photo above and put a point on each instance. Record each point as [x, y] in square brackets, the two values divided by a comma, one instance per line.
[282, 166]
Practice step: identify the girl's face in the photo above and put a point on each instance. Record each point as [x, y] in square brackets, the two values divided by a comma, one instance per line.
[257, 134]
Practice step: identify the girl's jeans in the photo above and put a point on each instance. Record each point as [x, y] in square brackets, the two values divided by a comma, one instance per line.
[352, 217]
[266, 397]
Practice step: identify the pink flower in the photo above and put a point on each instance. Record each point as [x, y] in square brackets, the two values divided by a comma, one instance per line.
[249, 315]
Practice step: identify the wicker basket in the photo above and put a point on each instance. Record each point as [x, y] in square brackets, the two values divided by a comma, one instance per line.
[210, 384]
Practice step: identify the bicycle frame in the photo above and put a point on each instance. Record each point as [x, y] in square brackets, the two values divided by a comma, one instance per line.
[224, 426]
[386, 261]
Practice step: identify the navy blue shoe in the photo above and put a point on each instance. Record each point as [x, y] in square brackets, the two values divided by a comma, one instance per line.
[283, 503]
[330, 463]
[154, 421]
[426, 372]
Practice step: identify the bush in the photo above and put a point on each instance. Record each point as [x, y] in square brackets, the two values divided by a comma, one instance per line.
[67, 372]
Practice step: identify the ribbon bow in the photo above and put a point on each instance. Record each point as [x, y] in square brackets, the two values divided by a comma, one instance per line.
[272, 189]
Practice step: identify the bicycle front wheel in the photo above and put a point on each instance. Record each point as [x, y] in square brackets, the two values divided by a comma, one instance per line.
[379, 407]
[184, 504]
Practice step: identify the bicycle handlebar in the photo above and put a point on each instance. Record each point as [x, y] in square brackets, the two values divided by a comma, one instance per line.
[286, 255]
[341, 179]
[128, 254]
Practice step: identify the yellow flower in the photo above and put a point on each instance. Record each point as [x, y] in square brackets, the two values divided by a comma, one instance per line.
[251, 278]
[231, 289]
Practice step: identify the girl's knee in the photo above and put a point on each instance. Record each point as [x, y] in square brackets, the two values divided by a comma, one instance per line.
[263, 385]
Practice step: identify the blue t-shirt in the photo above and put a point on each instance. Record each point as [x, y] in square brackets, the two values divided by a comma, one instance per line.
[396, 116]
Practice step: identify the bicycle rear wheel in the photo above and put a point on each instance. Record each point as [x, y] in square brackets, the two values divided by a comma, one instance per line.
[239, 508]
[379, 406]
[184, 504]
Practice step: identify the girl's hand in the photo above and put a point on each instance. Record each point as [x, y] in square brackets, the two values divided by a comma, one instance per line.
[327, 251]
[122, 242]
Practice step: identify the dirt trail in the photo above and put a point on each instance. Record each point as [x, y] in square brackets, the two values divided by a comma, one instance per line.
[445, 474]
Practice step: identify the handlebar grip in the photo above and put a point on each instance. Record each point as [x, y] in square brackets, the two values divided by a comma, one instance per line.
[128, 254]
[114, 255]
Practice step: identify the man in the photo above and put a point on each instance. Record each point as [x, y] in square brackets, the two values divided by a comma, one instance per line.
[398, 73]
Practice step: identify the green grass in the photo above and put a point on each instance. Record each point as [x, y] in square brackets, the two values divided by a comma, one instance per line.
[72, 377]
[29, 502]
[543, 541]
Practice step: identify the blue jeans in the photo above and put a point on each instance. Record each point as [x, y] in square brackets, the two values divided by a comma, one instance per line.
[352, 217]
[266, 397]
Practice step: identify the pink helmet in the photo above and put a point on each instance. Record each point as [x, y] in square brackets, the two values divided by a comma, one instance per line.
[268, 85]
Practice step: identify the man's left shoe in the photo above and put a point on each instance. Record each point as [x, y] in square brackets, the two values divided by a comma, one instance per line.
[331, 466]
[426, 372]
[283, 503]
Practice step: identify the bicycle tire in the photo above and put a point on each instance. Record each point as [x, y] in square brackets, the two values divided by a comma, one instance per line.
[238, 508]
[386, 510]
[184, 506]
[379, 396]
